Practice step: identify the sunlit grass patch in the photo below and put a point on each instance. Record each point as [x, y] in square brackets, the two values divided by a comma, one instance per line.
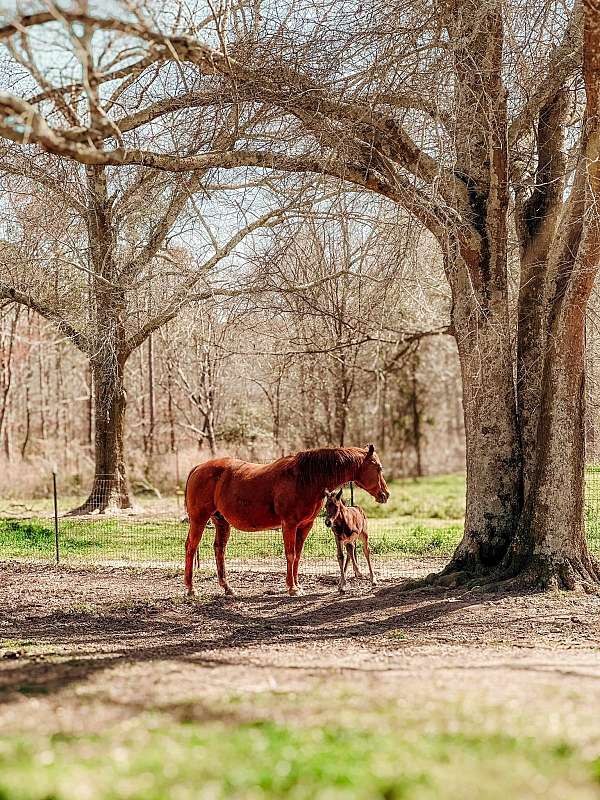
[151, 760]
[416, 540]
[414, 499]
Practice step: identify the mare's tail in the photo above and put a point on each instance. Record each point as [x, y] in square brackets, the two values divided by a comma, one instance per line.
[187, 516]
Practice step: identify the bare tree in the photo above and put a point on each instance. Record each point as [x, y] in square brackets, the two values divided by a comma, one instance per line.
[272, 369]
[447, 130]
[114, 240]
[196, 358]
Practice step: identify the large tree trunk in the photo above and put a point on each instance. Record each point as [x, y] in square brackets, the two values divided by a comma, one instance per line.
[108, 355]
[476, 266]
[551, 548]
[525, 445]
[537, 221]
[110, 489]
[494, 482]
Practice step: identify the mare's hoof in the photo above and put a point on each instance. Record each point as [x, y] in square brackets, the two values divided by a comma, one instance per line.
[341, 589]
[190, 593]
[295, 591]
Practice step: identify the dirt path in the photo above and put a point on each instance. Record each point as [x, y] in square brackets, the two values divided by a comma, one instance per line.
[82, 648]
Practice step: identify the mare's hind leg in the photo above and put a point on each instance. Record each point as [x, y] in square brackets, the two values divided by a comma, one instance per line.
[222, 531]
[197, 525]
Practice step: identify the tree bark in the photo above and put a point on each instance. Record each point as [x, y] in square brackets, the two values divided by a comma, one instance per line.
[209, 427]
[110, 489]
[537, 220]
[151, 402]
[551, 547]
[494, 488]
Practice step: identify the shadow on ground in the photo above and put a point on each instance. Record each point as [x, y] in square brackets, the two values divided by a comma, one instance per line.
[60, 627]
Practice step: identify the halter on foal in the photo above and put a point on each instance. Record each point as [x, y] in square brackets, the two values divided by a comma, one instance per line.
[348, 525]
[287, 493]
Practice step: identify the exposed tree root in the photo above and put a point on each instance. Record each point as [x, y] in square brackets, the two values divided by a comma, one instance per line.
[106, 497]
[536, 573]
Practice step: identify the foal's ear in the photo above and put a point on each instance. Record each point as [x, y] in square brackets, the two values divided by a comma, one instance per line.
[339, 494]
[327, 494]
[370, 450]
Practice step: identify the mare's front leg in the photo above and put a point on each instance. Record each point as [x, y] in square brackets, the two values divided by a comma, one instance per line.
[222, 531]
[197, 525]
[301, 535]
[289, 545]
[365, 539]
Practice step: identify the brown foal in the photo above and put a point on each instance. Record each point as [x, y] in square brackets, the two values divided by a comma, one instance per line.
[348, 525]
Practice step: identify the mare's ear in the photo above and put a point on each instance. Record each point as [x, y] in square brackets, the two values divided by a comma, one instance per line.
[339, 494]
[371, 450]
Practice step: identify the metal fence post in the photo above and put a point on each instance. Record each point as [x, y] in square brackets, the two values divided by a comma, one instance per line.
[351, 493]
[57, 551]
[177, 481]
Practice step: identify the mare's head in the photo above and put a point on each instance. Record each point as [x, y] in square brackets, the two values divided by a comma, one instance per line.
[370, 476]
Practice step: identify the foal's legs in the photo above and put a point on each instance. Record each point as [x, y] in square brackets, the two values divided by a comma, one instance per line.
[348, 547]
[340, 558]
[352, 551]
[197, 525]
[222, 531]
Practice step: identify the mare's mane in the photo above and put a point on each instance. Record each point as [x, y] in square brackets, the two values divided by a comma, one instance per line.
[331, 463]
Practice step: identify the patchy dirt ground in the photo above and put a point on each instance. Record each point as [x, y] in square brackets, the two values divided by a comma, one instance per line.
[83, 648]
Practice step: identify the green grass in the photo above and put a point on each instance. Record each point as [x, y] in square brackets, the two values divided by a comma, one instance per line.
[150, 759]
[423, 518]
[130, 540]
[438, 497]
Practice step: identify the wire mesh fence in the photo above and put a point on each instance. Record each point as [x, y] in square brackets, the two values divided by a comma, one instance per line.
[153, 533]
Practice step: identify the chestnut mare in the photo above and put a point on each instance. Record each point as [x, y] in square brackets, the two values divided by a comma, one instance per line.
[287, 493]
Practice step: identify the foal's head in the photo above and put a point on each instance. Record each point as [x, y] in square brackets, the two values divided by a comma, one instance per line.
[335, 519]
[333, 503]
